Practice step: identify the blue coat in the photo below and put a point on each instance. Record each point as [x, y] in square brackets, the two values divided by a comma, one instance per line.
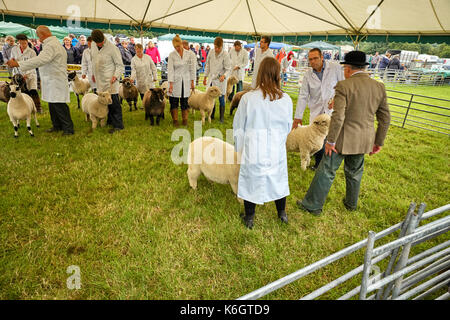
[260, 129]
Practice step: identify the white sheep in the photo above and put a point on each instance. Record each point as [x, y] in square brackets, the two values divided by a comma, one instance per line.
[216, 159]
[308, 139]
[21, 107]
[204, 101]
[246, 86]
[95, 107]
[80, 86]
[165, 87]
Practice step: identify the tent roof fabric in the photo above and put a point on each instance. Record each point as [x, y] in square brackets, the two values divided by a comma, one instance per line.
[283, 18]
[13, 29]
[199, 39]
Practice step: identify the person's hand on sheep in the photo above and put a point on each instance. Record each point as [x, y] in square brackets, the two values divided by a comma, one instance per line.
[113, 79]
[331, 104]
[83, 76]
[25, 77]
[170, 87]
[192, 86]
[222, 78]
[375, 150]
[329, 148]
[296, 123]
[236, 68]
[93, 78]
[204, 81]
[12, 63]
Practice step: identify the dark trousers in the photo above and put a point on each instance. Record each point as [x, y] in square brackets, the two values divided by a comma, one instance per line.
[115, 113]
[60, 116]
[174, 102]
[323, 179]
[250, 207]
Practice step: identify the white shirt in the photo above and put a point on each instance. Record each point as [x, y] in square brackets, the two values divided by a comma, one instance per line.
[27, 54]
[217, 66]
[181, 70]
[86, 66]
[315, 93]
[259, 56]
[52, 64]
[107, 62]
[260, 130]
[143, 70]
[238, 59]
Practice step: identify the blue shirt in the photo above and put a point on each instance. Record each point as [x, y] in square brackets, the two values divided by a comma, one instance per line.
[320, 74]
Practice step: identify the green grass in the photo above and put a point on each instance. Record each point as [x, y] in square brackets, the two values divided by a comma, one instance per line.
[117, 207]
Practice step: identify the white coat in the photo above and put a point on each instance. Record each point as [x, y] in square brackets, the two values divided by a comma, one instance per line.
[217, 66]
[259, 56]
[143, 70]
[181, 70]
[238, 59]
[260, 130]
[52, 64]
[31, 75]
[315, 93]
[107, 63]
[86, 66]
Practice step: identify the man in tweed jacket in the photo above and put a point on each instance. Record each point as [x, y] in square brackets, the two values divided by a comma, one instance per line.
[358, 100]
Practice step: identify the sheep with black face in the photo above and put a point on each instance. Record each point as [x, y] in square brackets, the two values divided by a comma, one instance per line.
[154, 104]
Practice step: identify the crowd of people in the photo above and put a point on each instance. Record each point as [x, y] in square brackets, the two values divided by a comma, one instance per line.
[340, 90]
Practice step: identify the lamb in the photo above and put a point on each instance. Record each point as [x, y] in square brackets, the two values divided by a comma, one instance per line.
[4, 91]
[80, 86]
[165, 87]
[21, 107]
[236, 99]
[204, 101]
[232, 80]
[95, 107]
[308, 139]
[154, 103]
[216, 159]
[246, 86]
[129, 92]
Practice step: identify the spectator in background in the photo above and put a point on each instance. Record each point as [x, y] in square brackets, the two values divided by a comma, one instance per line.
[70, 50]
[37, 47]
[80, 47]
[153, 52]
[393, 66]
[126, 57]
[281, 55]
[203, 54]
[132, 46]
[286, 66]
[193, 58]
[73, 40]
[6, 51]
[384, 62]
[207, 50]
[375, 60]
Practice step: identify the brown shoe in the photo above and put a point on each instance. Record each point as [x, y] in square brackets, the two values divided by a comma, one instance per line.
[174, 113]
[184, 115]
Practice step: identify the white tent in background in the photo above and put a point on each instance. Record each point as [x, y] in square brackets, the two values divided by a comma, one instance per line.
[357, 18]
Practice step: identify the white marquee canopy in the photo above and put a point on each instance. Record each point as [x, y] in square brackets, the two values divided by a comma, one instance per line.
[255, 17]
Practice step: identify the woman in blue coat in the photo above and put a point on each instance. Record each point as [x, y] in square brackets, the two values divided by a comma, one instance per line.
[260, 128]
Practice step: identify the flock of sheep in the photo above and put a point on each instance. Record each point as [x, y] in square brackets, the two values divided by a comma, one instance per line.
[306, 140]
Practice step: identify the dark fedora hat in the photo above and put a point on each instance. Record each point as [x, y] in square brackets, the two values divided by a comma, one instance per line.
[355, 58]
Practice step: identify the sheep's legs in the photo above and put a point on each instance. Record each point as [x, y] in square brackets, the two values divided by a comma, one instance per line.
[94, 122]
[103, 122]
[305, 159]
[152, 120]
[16, 128]
[135, 105]
[29, 126]
[130, 104]
[158, 117]
[78, 100]
[35, 118]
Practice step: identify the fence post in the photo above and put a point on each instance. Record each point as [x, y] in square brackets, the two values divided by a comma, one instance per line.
[394, 253]
[407, 110]
[367, 265]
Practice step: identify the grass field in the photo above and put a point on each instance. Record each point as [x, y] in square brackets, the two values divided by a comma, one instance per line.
[117, 207]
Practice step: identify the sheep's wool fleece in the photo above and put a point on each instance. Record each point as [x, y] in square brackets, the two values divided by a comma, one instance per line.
[260, 129]
[52, 64]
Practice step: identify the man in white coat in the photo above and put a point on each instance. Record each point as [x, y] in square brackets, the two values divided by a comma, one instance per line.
[23, 52]
[52, 64]
[218, 69]
[108, 68]
[239, 60]
[260, 53]
[86, 65]
[317, 91]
